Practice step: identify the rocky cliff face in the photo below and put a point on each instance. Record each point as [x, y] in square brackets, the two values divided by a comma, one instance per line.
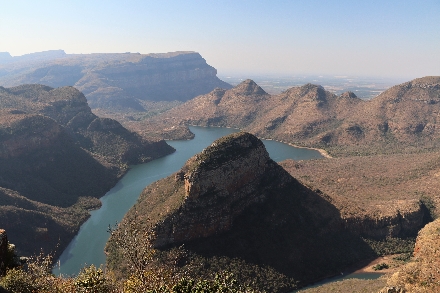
[118, 81]
[399, 225]
[229, 171]
[421, 274]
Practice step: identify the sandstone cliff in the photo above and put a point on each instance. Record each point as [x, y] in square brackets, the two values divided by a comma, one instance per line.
[117, 81]
[232, 203]
[227, 172]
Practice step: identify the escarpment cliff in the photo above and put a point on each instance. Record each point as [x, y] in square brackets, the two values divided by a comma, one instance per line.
[232, 204]
[118, 81]
[378, 196]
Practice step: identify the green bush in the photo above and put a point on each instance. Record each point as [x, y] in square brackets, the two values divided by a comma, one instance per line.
[92, 279]
[17, 280]
[380, 266]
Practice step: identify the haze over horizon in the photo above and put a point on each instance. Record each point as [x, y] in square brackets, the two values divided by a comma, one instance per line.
[396, 39]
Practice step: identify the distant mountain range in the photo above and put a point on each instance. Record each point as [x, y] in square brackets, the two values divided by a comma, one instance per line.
[401, 119]
[115, 81]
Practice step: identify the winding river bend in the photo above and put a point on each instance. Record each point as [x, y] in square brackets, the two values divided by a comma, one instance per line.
[87, 247]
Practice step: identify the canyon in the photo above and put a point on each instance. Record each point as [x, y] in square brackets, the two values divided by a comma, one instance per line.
[232, 202]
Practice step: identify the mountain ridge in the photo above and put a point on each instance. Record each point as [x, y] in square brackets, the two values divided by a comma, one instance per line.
[403, 118]
[117, 81]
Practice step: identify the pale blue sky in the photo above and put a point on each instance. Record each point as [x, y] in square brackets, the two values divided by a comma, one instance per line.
[369, 38]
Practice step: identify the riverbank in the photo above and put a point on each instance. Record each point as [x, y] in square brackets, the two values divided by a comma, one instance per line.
[323, 152]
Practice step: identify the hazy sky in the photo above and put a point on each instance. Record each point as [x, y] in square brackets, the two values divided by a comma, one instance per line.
[395, 38]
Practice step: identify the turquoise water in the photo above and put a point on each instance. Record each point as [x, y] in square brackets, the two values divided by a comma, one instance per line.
[87, 247]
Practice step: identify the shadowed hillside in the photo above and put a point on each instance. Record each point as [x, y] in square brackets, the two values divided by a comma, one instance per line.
[56, 159]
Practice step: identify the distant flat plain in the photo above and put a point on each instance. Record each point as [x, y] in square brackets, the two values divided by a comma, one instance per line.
[364, 87]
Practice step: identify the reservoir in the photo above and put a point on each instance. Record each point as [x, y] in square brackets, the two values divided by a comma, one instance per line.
[87, 247]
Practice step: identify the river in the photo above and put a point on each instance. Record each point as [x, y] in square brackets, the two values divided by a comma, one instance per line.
[87, 247]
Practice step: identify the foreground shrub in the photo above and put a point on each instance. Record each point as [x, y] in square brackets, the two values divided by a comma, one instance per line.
[92, 279]
[19, 281]
[221, 283]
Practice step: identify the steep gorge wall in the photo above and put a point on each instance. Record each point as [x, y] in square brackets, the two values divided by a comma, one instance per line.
[56, 159]
[401, 225]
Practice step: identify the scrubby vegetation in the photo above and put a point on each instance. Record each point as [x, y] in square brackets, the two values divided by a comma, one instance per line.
[375, 185]
[380, 266]
[391, 245]
[35, 276]
[136, 262]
